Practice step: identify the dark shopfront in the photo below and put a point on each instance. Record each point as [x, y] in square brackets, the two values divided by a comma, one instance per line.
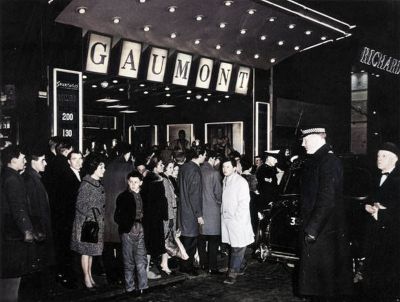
[309, 87]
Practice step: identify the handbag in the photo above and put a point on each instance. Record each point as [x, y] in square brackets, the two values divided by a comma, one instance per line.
[90, 229]
[174, 246]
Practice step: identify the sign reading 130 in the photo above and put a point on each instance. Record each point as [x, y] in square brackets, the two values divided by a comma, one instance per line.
[67, 105]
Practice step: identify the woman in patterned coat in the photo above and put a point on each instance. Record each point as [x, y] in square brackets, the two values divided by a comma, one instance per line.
[91, 199]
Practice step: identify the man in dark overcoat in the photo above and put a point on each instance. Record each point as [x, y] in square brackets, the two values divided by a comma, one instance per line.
[325, 268]
[114, 182]
[382, 264]
[190, 206]
[211, 230]
[16, 229]
[42, 250]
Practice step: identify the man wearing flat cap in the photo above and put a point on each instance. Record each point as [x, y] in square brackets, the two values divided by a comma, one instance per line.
[382, 263]
[325, 268]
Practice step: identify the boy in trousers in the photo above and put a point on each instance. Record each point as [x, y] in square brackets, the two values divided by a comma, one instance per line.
[128, 215]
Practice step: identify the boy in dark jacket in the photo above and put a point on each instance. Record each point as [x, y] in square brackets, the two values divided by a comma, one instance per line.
[128, 215]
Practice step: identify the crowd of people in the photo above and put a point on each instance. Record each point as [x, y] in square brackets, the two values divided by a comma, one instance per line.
[59, 205]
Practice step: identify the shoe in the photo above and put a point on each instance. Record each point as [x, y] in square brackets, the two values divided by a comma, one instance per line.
[215, 272]
[152, 276]
[242, 270]
[166, 270]
[90, 289]
[230, 280]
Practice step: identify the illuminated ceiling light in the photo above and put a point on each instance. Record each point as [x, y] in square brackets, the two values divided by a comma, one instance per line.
[116, 20]
[173, 35]
[280, 43]
[188, 97]
[165, 106]
[104, 84]
[128, 111]
[84, 77]
[218, 46]
[205, 99]
[222, 25]
[362, 70]
[239, 51]
[199, 17]
[263, 37]
[142, 85]
[227, 96]
[121, 89]
[189, 91]
[377, 75]
[145, 92]
[94, 86]
[115, 81]
[243, 31]
[291, 26]
[168, 95]
[197, 41]
[323, 38]
[81, 10]
[146, 28]
[107, 100]
[219, 101]
[256, 56]
[166, 88]
[272, 19]
[172, 9]
[296, 48]
[198, 96]
[117, 106]
[142, 1]
[308, 32]
[228, 3]
[208, 94]
[273, 60]
[251, 11]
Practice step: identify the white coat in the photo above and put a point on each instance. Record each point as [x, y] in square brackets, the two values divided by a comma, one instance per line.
[236, 227]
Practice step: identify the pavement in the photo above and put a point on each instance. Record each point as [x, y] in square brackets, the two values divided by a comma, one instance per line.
[268, 281]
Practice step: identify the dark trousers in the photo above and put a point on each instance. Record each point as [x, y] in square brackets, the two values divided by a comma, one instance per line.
[190, 244]
[237, 261]
[208, 254]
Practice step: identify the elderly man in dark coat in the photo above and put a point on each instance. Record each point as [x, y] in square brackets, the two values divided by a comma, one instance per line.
[325, 260]
[382, 265]
[190, 206]
[211, 230]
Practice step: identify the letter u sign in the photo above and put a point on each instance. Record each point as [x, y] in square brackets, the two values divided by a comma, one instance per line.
[157, 64]
[98, 55]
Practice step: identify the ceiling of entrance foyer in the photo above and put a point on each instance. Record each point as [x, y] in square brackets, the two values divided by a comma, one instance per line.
[257, 33]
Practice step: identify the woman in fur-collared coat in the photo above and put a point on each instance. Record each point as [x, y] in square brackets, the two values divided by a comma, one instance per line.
[91, 198]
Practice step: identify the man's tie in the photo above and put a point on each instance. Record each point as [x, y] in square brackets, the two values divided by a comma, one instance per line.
[383, 178]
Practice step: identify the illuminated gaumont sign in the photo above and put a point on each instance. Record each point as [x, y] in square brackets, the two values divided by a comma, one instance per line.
[129, 56]
[379, 60]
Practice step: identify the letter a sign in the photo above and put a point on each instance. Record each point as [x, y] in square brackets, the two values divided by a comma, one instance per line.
[129, 60]
[98, 55]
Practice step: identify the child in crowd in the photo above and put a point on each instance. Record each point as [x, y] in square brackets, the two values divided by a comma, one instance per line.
[128, 215]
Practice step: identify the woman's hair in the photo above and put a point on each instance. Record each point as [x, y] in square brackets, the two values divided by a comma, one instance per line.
[153, 163]
[92, 162]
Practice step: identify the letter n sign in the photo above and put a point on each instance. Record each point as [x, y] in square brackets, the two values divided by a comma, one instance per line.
[224, 77]
[98, 55]
[182, 69]
[242, 80]
[157, 64]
